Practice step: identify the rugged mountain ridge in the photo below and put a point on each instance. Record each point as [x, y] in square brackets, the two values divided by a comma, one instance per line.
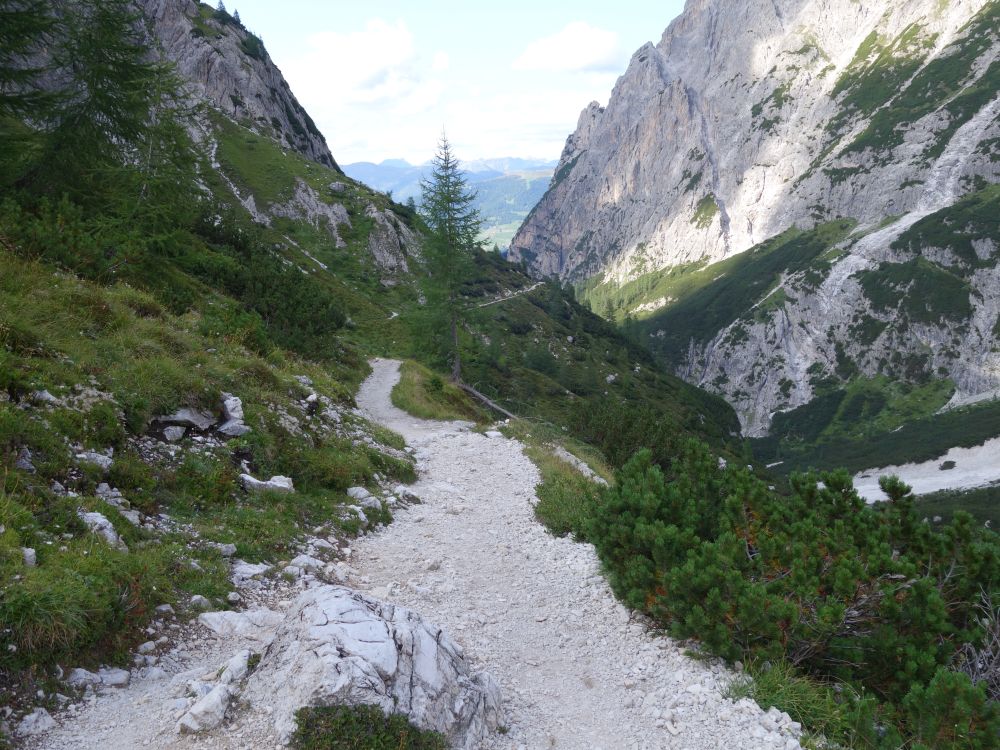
[747, 120]
[226, 67]
[229, 68]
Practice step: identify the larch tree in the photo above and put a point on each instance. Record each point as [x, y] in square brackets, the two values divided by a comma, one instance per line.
[454, 224]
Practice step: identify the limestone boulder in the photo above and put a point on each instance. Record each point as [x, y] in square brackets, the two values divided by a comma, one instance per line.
[337, 646]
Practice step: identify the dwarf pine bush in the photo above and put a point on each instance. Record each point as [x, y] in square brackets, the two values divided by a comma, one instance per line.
[863, 594]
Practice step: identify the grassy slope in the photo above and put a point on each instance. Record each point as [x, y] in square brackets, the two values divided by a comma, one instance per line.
[136, 360]
[427, 395]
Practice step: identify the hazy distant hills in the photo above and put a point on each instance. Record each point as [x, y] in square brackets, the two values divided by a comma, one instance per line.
[508, 187]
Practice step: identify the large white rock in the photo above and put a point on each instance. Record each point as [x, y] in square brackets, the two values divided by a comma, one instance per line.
[274, 484]
[234, 428]
[36, 722]
[236, 668]
[208, 712]
[101, 526]
[336, 646]
[257, 624]
[113, 677]
[232, 407]
[244, 572]
[82, 678]
[94, 458]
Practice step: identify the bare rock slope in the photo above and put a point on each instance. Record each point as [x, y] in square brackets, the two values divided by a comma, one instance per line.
[230, 69]
[751, 118]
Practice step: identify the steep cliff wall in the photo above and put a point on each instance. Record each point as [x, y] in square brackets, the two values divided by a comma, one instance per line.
[229, 68]
[749, 119]
[264, 147]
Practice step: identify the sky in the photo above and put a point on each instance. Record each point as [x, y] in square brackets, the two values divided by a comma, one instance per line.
[383, 79]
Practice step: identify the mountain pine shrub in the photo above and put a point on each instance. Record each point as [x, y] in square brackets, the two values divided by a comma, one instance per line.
[866, 595]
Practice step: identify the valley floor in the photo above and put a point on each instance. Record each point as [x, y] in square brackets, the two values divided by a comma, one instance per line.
[576, 671]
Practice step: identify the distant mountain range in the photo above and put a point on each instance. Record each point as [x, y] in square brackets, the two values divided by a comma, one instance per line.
[508, 188]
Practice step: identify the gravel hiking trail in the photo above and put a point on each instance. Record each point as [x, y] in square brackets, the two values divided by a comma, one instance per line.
[532, 609]
[576, 671]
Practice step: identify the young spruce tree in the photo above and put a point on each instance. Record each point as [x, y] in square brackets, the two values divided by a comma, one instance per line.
[453, 224]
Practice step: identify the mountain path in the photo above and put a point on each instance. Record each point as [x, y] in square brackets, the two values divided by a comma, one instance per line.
[575, 669]
[533, 610]
[511, 295]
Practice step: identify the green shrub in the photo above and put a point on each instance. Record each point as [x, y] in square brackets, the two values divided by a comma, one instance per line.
[360, 728]
[566, 498]
[839, 589]
[951, 714]
[103, 425]
[834, 711]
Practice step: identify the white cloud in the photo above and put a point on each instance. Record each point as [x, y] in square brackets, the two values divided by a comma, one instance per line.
[577, 47]
[370, 65]
[441, 61]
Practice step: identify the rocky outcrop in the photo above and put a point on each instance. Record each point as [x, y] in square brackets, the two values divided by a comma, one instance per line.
[336, 646]
[390, 241]
[751, 118]
[226, 66]
[229, 67]
[280, 484]
[827, 321]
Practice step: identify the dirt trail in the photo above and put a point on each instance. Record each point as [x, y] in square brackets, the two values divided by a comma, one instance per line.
[532, 609]
[576, 671]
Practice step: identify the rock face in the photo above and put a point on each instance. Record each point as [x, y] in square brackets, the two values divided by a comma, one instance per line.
[234, 73]
[227, 67]
[337, 646]
[751, 118]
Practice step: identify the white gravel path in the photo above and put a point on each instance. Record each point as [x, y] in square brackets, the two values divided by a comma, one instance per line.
[576, 671]
[533, 610]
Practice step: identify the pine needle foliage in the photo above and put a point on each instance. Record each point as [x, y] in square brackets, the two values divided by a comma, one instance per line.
[453, 224]
[843, 591]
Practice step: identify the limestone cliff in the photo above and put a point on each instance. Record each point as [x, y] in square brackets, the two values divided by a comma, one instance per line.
[751, 118]
[229, 68]
[225, 66]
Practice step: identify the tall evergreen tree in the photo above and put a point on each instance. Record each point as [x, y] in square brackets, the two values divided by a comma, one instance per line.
[119, 129]
[454, 225]
[26, 26]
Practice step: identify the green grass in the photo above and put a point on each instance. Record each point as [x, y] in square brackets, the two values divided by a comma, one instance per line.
[705, 212]
[64, 334]
[544, 356]
[360, 728]
[566, 498]
[427, 395]
[821, 708]
[982, 503]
